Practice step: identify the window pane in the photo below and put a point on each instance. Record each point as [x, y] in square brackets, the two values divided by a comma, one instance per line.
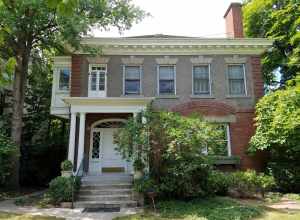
[201, 80]
[102, 81]
[201, 72]
[220, 148]
[166, 72]
[132, 86]
[64, 77]
[235, 72]
[166, 87]
[236, 87]
[132, 72]
[93, 78]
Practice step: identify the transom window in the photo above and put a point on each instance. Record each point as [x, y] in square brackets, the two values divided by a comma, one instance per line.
[97, 81]
[132, 80]
[201, 80]
[166, 80]
[64, 78]
[236, 78]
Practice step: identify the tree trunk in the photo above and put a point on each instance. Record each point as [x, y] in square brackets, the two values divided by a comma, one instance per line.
[19, 85]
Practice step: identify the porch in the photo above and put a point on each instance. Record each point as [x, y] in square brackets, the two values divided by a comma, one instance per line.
[93, 123]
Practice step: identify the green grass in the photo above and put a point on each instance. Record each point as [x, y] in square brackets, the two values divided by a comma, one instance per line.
[277, 215]
[12, 216]
[201, 209]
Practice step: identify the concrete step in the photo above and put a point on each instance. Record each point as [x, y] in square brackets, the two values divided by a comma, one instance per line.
[104, 198]
[110, 177]
[105, 204]
[107, 187]
[105, 192]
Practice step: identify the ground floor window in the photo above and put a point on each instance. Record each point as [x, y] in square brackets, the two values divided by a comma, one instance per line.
[223, 147]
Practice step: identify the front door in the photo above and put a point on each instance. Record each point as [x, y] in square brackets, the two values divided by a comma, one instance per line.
[104, 158]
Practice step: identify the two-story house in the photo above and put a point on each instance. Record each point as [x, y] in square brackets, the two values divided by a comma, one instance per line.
[219, 78]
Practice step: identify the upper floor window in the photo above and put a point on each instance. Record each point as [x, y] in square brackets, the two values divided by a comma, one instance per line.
[64, 79]
[132, 80]
[236, 78]
[166, 80]
[201, 80]
[97, 80]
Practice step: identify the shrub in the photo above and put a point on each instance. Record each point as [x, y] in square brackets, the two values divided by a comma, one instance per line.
[218, 183]
[138, 165]
[145, 185]
[8, 150]
[60, 189]
[247, 183]
[66, 165]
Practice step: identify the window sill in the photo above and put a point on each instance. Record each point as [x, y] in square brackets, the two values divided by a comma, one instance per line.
[225, 160]
[202, 97]
[62, 91]
[237, 96]
[132, 95]
[167, 97]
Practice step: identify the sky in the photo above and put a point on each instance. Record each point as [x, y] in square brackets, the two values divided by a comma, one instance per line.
[196, 18]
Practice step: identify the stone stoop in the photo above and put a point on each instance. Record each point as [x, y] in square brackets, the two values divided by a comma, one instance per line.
[106, 191]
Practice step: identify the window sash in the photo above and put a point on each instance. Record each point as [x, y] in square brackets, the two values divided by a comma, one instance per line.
[236, 80]
[132, 80]
[97, 81]
[166, 77]
[201, 80]
[64, 79]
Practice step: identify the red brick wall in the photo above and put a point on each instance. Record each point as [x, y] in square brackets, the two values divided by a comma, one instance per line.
[234, 21]
[76, 75]
[258, 82]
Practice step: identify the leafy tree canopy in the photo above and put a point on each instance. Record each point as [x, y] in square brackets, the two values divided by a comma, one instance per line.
[278, 20]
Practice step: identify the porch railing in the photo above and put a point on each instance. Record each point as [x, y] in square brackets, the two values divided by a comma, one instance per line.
[77, 174]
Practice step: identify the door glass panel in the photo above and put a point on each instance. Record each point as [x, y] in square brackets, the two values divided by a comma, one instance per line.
[96, 145]
[93, 81]
[101, 81]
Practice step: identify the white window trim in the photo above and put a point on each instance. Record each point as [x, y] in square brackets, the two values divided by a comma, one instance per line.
[141, 78]
[245, 79]
[209, 80]
[229, 153]
[57, 81]
[157, 79]
[97, 80]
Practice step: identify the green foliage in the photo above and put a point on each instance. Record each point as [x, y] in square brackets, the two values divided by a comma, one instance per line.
[60, 189]
[138, 165]
[66, 165]
[279, 21]
[145, 185]
[249, 182]
[7, 151]
[218, 183]
[278, 131]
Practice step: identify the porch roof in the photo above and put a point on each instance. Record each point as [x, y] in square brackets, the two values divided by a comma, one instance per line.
[108, 104]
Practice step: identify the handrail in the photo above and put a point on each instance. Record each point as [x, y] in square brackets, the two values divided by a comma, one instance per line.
[78, 173]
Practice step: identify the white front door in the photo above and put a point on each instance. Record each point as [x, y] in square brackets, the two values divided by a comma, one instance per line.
[103, 155]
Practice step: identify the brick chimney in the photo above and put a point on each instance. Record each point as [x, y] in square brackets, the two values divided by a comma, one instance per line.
[234, 21]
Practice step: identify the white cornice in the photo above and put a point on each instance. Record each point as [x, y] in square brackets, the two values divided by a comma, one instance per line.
[235, 59]
[178, 46]
[98, 60]
[132, 60]
[201, 59]
[64, 61]
[166, 60]
[118, 101]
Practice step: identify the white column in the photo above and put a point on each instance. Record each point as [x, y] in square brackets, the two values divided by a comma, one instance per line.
[72, 138]
[81, 139]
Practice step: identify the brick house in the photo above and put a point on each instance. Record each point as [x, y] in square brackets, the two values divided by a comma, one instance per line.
[220, 78]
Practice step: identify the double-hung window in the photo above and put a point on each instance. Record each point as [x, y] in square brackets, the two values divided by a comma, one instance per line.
[132, 80]
[201, 80]
[64, 78]
[236, 79]
[166, 80]
[97, 81]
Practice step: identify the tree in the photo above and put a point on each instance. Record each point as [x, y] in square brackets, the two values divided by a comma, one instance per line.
[278, 20]
[278, 131]
[27, 25]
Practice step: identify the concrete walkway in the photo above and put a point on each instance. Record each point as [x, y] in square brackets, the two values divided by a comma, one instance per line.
[286, 204]
[68, 214]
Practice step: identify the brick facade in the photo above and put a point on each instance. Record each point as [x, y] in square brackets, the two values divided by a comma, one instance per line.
[258, 82]
[76, 76]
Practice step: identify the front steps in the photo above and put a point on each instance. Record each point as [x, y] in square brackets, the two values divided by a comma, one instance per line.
[106, 191]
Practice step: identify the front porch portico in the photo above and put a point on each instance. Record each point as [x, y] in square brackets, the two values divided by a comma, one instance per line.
[83, 134]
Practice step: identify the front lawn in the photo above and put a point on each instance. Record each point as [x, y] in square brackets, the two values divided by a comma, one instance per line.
[12, 216]
[201, 209]
[218, 208]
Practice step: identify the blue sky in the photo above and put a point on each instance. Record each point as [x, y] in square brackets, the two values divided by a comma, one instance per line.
[199, 18]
